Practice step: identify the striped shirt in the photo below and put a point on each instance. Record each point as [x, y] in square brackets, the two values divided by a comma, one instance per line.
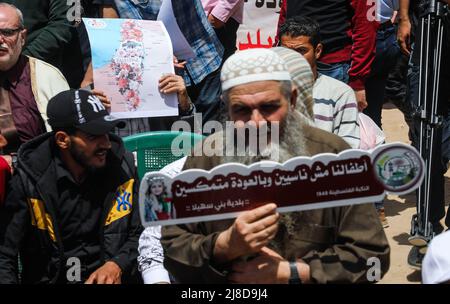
[336, 109]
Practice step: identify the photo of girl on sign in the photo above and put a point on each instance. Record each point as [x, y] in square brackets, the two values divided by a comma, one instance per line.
[158, 205]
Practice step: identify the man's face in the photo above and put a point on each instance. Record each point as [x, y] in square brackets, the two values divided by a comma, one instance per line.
[259, 102]
[302, 45]
[89, 151]
[12, 38]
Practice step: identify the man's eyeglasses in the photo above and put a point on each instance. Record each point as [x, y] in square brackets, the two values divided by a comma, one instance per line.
[9, 32]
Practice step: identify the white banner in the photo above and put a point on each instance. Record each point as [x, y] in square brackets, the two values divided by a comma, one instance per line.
[259, 26]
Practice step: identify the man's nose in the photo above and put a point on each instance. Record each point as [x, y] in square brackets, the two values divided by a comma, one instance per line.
[257, 117]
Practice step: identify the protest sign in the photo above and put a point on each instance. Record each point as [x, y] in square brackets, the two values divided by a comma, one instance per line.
[302, 183]
[181, 48]
[129, 57]
[259, 27]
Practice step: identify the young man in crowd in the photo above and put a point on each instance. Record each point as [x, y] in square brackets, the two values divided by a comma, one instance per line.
[71, 213]
[348, 37]
[335, 107]
[320, 246]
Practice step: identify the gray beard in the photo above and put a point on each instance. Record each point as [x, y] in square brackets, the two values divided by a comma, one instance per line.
[292, 143]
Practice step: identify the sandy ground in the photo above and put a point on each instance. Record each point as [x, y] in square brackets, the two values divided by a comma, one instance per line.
[399, 210]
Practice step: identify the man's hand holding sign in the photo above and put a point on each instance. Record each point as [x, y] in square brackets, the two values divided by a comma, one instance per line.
[297, 214]
[250, 232]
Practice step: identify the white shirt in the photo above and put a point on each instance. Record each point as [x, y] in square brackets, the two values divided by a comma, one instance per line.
[151, 253]
[436, 263]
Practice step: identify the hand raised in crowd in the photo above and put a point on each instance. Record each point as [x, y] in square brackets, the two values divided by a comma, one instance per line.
[103, 98]
[361, 99]
[178, 64]
[88, 76]
[110, 273]
[267, 268]
[215, 22]
[251, 231]
[404, 35]
[171, 83]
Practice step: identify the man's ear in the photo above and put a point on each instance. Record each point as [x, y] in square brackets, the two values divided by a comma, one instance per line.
[23, 34]
[62, 140]
[294, 95]
[319, 50]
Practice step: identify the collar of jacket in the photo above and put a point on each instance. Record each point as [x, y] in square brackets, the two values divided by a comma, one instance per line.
[35, 156]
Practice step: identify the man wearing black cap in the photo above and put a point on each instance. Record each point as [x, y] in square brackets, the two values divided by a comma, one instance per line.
[70, 214]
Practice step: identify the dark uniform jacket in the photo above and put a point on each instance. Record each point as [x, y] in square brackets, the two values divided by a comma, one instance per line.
[29, 219]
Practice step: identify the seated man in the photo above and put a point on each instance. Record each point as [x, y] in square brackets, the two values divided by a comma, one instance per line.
[26, 85]
[335, 106]
[71, 211]
[322, 246]
[49, 30]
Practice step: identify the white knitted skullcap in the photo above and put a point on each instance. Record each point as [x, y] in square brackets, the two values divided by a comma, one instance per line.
[436, 264]
[253, 65]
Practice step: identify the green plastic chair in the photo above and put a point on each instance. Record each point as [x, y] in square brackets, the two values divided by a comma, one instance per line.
[154, 149]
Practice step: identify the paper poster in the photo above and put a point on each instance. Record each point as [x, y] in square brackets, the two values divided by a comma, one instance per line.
[129, 57]
[302, 183]
[181, 48]
[260, 23]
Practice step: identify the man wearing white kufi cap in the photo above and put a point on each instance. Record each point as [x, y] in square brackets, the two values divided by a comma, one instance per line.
[261, 246]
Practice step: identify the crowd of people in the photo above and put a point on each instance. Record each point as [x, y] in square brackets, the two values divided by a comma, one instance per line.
[69, 188]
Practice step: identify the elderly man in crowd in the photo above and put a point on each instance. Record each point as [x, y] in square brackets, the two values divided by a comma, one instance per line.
[26, 85]
[319, 246]
[49, 30]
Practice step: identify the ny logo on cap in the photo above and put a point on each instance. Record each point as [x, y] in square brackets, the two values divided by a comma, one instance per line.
[96, 104]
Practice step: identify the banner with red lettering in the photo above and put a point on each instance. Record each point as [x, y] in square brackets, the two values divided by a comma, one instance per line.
[259, 26]
[301, 183]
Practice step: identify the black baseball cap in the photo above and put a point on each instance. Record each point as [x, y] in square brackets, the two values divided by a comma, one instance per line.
[82, 110]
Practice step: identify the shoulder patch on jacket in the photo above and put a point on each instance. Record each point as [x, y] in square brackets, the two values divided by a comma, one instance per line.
[41, 219]
[122, 203]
